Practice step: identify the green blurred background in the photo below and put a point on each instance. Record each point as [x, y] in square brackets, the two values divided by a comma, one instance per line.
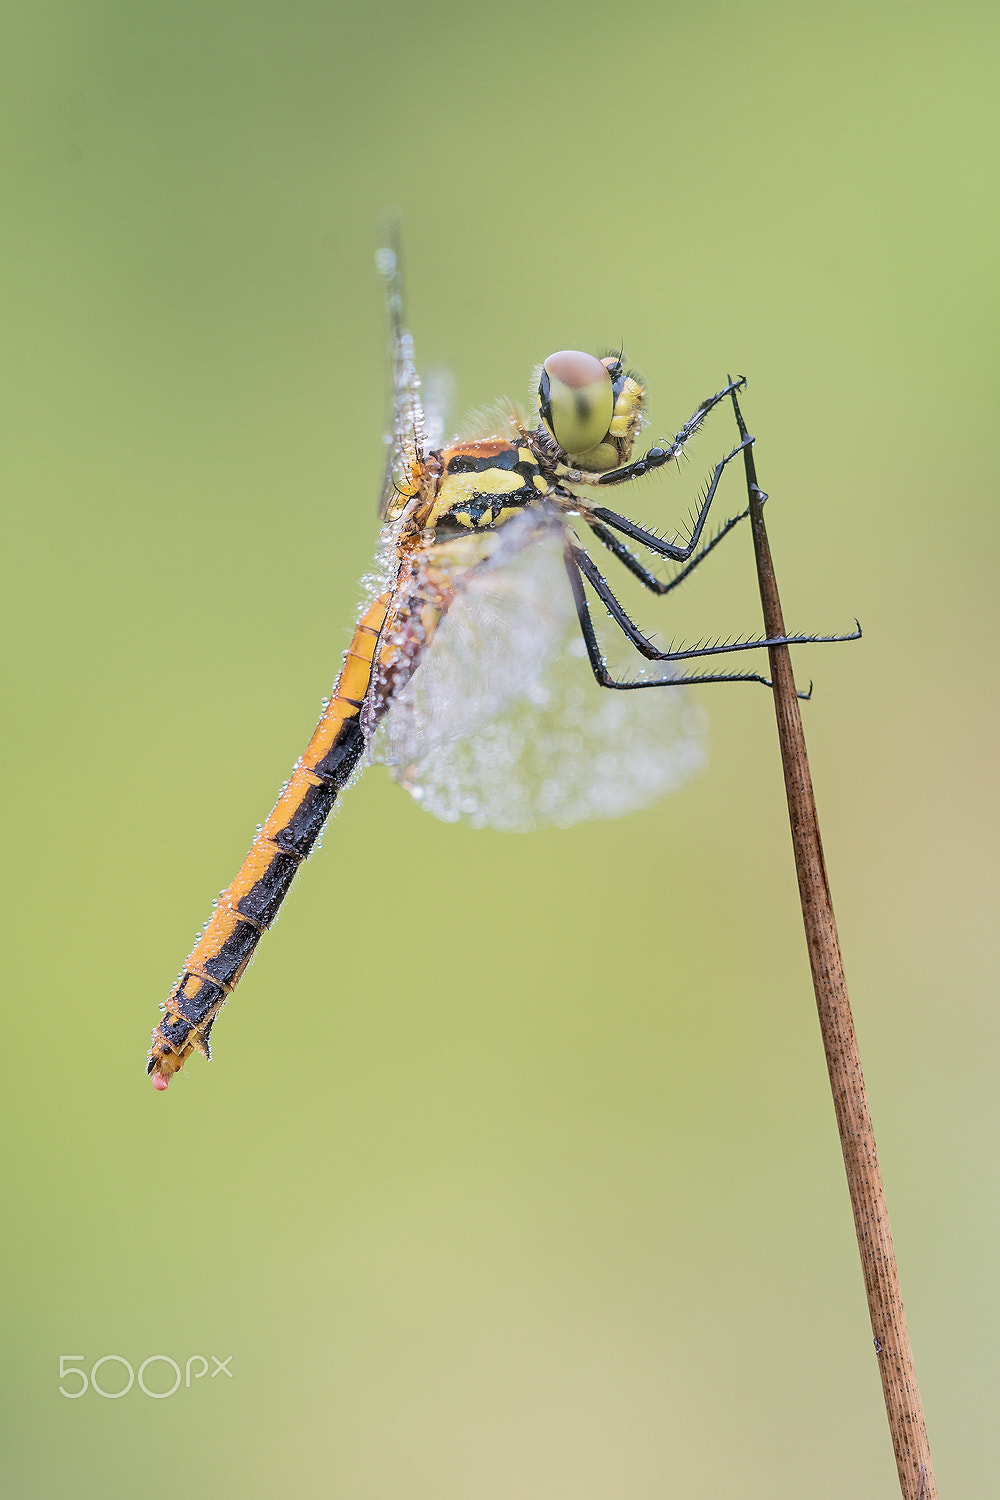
[546, 1204]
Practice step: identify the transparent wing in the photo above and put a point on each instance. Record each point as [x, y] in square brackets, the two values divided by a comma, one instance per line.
[439, 390]
[503, 725]
[407, 440]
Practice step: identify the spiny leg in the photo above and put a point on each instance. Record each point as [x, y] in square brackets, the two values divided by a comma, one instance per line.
[655, 458]
[645, 575]
[644, 645]
[580, 566]
[657, 544]
[628, 559]
[596, 659]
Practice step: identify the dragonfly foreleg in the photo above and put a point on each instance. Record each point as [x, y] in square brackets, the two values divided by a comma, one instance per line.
[655, 458]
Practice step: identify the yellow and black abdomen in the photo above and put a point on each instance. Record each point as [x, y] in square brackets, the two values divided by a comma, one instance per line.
[484, 484]
[246, 910]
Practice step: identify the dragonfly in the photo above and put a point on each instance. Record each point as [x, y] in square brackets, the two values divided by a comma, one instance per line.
[467, 672]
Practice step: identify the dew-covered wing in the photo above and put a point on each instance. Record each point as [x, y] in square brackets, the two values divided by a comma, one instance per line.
[407, 440]
[503, 725]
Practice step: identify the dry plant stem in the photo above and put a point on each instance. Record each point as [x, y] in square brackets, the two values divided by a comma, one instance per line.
[857, 1139]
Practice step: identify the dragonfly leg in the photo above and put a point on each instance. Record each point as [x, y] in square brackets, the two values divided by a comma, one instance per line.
[645, 575]
[580, 567]
[599, 666]
[659, 544]
[644, 645]
[655, 458]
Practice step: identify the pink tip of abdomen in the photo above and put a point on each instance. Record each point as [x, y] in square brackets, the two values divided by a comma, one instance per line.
[160, 1081]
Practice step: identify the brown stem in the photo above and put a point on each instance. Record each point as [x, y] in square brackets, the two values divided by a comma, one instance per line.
[857, 1138]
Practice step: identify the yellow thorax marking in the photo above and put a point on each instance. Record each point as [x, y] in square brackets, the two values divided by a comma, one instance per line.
[457, 493]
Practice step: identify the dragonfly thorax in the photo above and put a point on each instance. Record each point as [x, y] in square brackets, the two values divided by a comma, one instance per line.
[482, 484]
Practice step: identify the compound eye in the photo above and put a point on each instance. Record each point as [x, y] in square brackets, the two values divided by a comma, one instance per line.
[576, 400]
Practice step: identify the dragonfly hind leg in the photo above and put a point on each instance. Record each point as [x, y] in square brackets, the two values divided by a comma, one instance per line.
[580, 566]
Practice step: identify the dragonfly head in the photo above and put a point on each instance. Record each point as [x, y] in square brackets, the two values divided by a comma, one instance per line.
[591, 407]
